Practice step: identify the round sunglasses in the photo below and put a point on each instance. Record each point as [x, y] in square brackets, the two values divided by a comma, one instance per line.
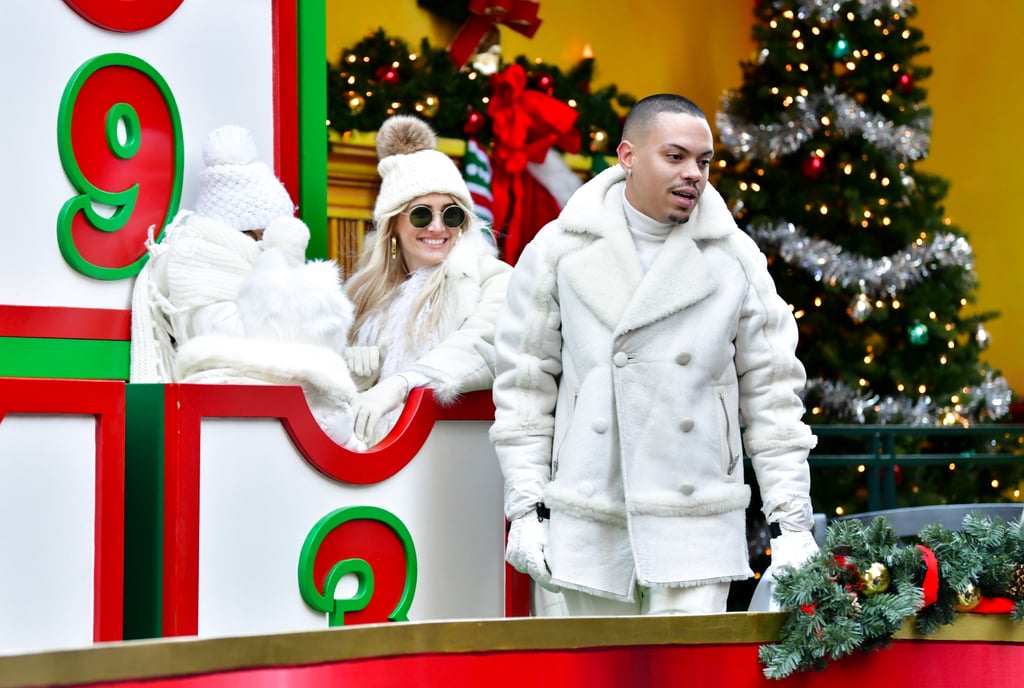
[420, 216]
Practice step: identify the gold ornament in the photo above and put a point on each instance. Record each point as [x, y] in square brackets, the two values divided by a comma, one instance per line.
[598, 140]
[355, 101]
[860, 308]
[968, 598]
[874, 579]
[429, 106]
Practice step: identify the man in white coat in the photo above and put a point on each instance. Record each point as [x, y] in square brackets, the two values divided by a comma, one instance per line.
[641, 331]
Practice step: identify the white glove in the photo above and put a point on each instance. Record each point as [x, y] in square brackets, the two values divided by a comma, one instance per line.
[370, 406]
[363, 361]
[792, 549]
[527, 540]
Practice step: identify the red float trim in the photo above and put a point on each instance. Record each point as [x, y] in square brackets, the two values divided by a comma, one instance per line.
[57, 322]
[711, 650]
[286, 94]
[106, 400]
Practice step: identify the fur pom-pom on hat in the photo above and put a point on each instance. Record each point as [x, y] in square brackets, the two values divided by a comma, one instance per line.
[404, 134]
[235, 186]
[411, 166]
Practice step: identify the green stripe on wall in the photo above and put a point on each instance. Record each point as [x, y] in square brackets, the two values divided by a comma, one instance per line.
[143, 511]
[312, 47]
[91, 359]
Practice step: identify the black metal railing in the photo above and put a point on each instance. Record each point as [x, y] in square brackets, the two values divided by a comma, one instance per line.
[887, 446]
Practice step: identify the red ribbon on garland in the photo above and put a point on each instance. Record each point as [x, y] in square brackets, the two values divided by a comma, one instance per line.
[994, 605]
[930, 587]
[525, 124]
[518, 15]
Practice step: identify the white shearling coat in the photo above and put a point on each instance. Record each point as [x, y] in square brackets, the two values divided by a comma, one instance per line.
[619, 396]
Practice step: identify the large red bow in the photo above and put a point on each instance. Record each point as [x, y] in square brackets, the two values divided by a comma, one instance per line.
[518, 15]
[525, 124]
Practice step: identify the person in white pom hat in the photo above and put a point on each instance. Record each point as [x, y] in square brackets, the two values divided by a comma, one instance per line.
[428, 287]
[237, 188]
[221, 302]
[204, 255]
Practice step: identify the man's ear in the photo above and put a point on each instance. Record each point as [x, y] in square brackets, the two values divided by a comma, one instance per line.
[625, 153]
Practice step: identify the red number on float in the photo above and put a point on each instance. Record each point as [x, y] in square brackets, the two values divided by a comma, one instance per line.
[124, 15]
[120, 143]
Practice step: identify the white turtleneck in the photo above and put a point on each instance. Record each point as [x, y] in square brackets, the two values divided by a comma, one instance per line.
[648, 234]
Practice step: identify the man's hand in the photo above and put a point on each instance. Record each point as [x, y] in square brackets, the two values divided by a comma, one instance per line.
[370, 406]
[527, 540]
[792, 549]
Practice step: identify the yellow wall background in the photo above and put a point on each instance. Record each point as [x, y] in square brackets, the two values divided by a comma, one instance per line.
[694, 48]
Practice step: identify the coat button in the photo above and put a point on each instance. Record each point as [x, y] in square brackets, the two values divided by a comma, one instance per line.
[620, 359]
[686, 489]
[687, 425]
[599, 425]
[586, 488]
[683, 358]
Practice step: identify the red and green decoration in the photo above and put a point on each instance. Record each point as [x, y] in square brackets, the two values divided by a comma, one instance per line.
[382, 75]
[865, 583]
[372, 545]
[515, 115]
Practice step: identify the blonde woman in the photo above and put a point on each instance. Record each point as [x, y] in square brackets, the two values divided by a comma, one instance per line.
[429, 285]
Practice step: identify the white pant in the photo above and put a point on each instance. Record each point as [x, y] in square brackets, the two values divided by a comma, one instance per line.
[699, 599]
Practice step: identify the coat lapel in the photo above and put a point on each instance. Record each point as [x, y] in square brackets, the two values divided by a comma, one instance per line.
[679, 277]
[606, 273]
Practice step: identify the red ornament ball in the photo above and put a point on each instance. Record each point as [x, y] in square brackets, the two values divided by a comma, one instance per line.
[906, 83]
[387, 75]
[474, 123]
[813, 167]
[543, 82]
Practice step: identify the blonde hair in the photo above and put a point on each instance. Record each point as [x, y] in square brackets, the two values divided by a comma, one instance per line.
[378, 278]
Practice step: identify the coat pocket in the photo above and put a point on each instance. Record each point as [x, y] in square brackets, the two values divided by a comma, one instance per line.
[726, 404]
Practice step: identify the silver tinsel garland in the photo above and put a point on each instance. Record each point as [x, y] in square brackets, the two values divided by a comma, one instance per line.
[988, 401]
[828, 10]
[876, 277]
[748, 141]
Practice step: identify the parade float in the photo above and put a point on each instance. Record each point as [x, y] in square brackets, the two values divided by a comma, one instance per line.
[212, 535]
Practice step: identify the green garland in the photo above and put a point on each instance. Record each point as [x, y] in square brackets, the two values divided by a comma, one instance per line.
[380, 76]
[864, 583]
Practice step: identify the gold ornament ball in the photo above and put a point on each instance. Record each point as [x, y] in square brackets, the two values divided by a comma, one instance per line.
[859, 309]
[429, 106]
[968, 598]
[598, 140]
[874, 579]
[355, 101]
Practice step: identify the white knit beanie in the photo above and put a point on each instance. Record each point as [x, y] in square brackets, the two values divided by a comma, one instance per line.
[410, 166]
[235, 187]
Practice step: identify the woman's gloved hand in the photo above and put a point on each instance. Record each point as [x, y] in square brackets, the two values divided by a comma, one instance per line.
[370, 406]
[363, 361]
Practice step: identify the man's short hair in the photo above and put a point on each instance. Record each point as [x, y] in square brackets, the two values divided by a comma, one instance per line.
[645, 110]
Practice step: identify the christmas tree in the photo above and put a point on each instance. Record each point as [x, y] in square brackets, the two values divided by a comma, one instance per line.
[821, 146]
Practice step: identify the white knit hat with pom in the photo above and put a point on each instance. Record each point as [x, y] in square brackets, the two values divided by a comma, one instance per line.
[410, 166]
[235, 187]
